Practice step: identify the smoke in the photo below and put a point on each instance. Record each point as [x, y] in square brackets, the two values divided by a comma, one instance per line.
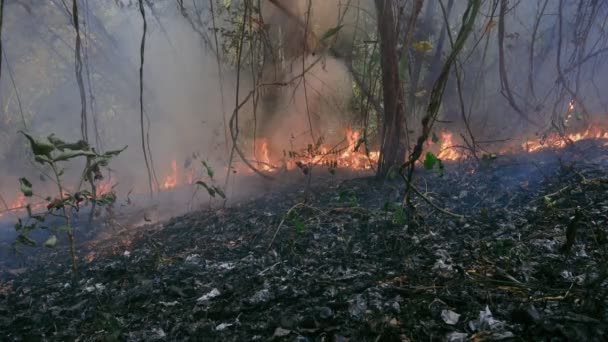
[316, 105]
[182, 98]
[183, 102]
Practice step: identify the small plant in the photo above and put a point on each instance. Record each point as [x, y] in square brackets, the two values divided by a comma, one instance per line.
[211, 188]
[349, 198]
[297, 222]
[431, 160]
[398, 216]
[53, 152]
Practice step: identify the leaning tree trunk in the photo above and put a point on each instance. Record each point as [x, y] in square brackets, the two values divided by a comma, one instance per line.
[392, 147]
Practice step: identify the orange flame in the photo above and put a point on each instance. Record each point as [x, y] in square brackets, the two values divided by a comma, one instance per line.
[264, 155]
[171, 180]
[556, 141]
[103, 187]
[447, 150]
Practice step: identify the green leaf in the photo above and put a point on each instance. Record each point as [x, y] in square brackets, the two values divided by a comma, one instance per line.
[107, 198]
[25, 240]
[210, 190]
[423, 46]
[51, 242]
[71, 154]
[331, 32]
[399, 216]
[210, 172]
[62, 145]
[43, 159]
[430, 160]
[299, 225]
[40, 146]
[63, 228]
[26, 187]
[115, 152]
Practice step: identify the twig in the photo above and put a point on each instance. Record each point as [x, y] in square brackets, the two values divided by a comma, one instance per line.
[428, 200]
[281, 223]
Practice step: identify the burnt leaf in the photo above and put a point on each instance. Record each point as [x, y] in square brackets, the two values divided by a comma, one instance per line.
[55, 204]
[26, 187]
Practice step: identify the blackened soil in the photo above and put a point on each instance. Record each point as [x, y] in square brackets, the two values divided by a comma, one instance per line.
[347, 264]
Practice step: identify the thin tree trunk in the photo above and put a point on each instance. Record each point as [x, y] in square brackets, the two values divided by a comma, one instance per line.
[392, 148]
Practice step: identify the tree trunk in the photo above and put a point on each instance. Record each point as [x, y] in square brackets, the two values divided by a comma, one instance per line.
[392, 147]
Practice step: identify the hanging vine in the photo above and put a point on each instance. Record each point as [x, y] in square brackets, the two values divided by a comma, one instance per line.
[78, 70]
[141, 93]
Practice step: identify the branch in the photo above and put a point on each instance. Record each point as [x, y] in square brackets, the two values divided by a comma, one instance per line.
[504, 80]
[468, 22]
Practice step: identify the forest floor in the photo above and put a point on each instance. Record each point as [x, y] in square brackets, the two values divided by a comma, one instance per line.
[347, 265]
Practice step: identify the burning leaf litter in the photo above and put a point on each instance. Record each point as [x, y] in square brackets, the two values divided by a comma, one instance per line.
[354, 272]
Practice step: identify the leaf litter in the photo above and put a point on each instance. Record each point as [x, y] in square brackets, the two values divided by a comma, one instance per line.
[347, 265]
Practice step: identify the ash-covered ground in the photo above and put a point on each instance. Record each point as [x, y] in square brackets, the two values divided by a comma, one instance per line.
[346, 264]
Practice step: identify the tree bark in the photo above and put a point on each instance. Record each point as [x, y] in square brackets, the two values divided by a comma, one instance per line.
[392, 147]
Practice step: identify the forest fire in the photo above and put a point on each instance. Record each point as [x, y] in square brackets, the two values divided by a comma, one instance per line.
[557, 141]
[171, 181]
[351, 154]
[447, 150]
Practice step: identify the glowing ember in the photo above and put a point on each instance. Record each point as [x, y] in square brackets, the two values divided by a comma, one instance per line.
[171, 180]
[90, 257]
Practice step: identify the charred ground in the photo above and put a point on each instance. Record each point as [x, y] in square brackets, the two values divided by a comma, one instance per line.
[346, 265]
